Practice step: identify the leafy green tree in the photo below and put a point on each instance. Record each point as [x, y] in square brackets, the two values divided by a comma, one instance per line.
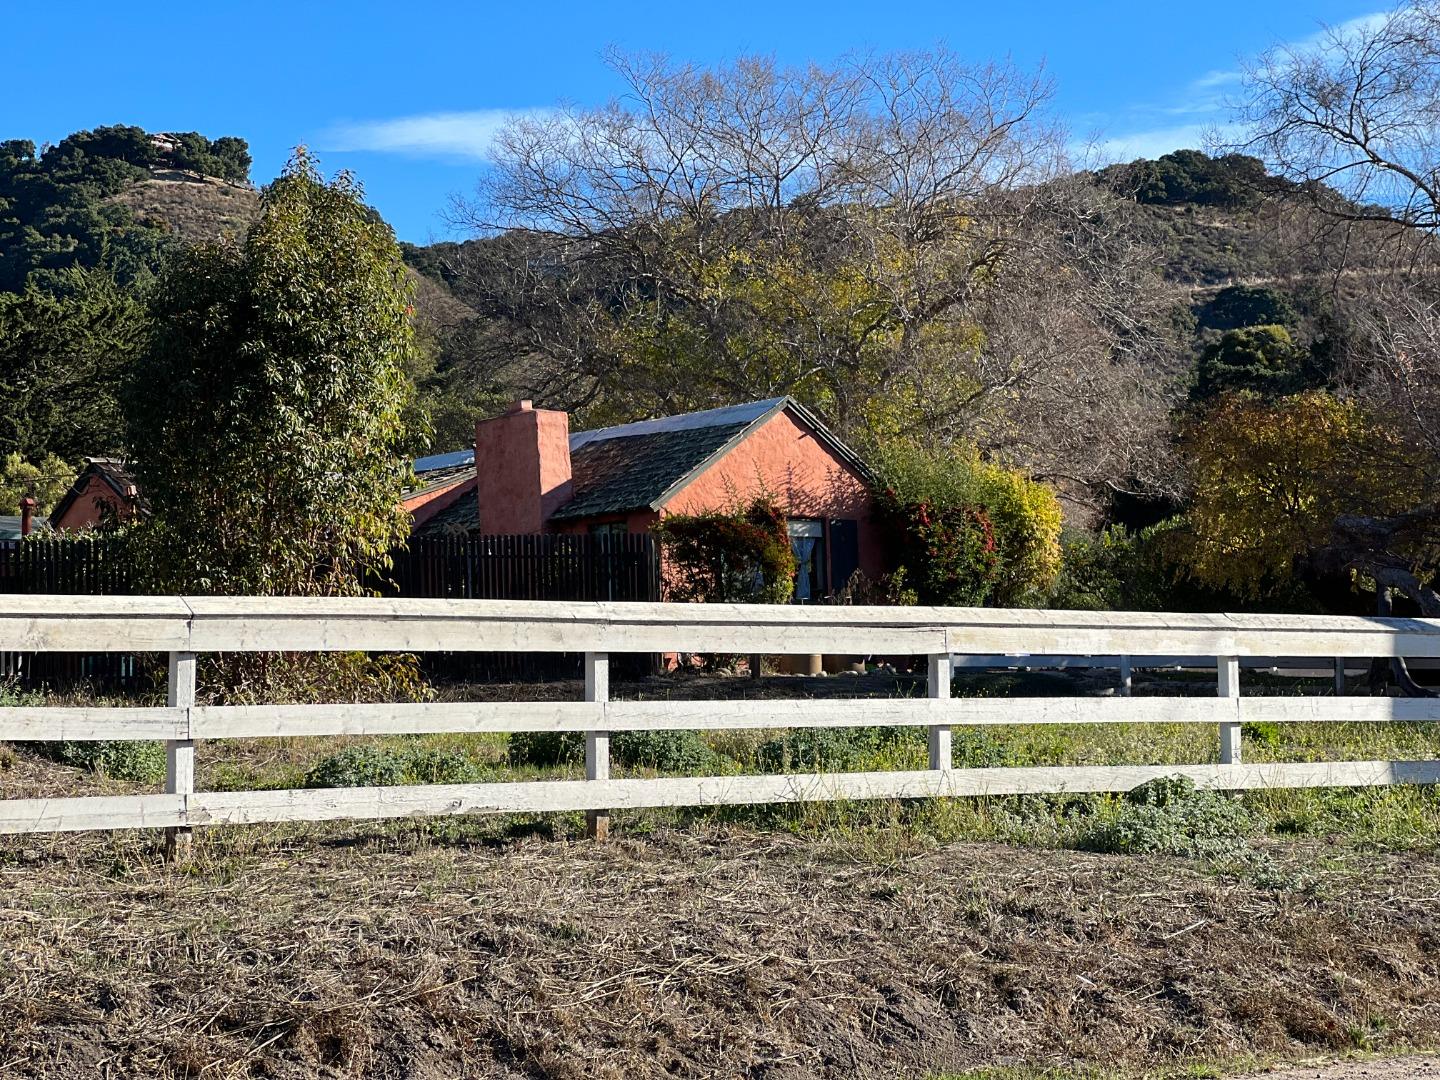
[267, 411]
[45, 481]
[1190, 176]
[1270, 479]
[1116, 570]
[1262, 359]
[1246, 305]
[63, 350]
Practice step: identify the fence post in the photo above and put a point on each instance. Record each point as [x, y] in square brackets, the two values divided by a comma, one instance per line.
[597, 743]
[1228, 686]
[938, 686]
[1125, 676]
[1339, 676]
[180, 753]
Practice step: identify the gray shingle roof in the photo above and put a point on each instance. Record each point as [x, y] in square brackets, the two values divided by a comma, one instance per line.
[621, 473]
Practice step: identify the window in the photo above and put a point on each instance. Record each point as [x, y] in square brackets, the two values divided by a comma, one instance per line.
[807, 541]
[610, 528]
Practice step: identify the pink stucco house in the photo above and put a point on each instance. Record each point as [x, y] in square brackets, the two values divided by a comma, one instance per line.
[533, 474]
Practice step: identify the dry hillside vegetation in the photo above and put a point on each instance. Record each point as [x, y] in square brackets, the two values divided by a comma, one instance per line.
[197, 209]
[435, 952]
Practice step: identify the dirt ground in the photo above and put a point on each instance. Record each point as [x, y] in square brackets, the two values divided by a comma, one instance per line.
[421, 951]
[1407, 1067]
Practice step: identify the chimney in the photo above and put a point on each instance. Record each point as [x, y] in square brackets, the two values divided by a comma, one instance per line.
[522, 468]
[27, 515]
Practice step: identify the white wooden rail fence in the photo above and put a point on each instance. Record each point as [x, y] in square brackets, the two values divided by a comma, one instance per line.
[185, 627]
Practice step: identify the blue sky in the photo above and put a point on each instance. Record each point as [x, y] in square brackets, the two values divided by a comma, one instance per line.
[404, 93]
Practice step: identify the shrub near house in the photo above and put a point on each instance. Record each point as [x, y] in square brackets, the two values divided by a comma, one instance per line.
[963, 532]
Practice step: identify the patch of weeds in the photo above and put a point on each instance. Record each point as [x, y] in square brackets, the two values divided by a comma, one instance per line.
[1262, 732]
[1170, 816]
[357, 766]
[546, 748]
[663, 751]
[438, 766]
[141, 762]
[1397, 818]
[977, 748]
[833, 749]
[1262, 870]
[382, 766]
[1371, 1035]
[11, 696]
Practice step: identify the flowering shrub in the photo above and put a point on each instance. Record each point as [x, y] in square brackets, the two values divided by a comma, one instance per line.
[738, 557]
[949, 553]
[965, 530]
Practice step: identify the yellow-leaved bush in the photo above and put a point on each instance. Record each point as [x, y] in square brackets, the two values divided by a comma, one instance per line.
[1023, 514]
[1271, 476]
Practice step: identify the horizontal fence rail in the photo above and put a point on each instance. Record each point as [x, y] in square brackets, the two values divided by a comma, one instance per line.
[186, 626]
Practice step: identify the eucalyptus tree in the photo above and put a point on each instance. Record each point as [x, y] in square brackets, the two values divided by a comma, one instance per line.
[266, 414]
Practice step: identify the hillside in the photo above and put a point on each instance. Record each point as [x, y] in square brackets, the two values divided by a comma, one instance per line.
[191, 207]
[99, 200]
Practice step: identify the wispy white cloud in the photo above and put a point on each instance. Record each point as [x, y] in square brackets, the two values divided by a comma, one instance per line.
[469, 135]
[1153, 128]
[1373, 21]
[1215, 79]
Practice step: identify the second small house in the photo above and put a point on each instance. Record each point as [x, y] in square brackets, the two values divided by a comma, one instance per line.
[532, 475]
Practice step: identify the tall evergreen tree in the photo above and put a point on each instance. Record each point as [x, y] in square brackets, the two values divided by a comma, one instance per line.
[266, 414]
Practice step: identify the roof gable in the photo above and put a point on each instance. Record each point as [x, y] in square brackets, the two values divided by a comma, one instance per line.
[116, 475]
[641, 466]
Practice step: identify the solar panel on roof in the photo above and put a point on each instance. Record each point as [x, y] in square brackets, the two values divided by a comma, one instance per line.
[445, 461]
[729, 414]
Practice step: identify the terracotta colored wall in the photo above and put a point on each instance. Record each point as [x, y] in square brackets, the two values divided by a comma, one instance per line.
[424, 506]
[83, 512]
[522, 464]
[783, 459]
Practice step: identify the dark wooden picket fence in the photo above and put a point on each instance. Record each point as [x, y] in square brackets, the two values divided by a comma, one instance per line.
[94, 564]
[543, 567]
[548, 566]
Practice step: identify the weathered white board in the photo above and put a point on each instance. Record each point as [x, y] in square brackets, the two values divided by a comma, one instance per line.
[207, 624]
[322, 804]
[29, 723]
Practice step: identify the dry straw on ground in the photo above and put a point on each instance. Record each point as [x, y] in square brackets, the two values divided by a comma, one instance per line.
[358, 951]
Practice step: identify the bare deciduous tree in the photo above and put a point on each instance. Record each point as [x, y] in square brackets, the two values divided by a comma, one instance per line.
[896, 240]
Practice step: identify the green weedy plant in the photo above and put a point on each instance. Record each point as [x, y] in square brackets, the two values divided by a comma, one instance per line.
[1170, 816]
[383, 766]
[663, 751]
[438, 766]
[142, 762]
[357, 766]
[831, 749]
[544, 749]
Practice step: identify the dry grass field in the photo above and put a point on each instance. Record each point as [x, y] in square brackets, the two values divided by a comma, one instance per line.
[1012, 938]
[438, 951]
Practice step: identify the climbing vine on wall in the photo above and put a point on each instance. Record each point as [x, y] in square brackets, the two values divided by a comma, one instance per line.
[948, 554]
[739, 556]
